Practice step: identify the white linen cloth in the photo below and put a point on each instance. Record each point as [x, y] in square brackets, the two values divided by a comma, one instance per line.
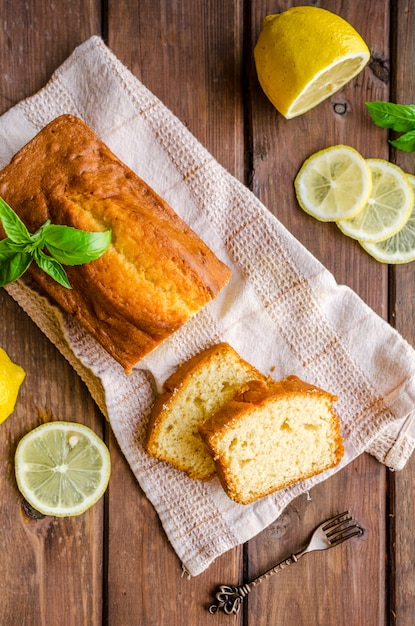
[282, 311]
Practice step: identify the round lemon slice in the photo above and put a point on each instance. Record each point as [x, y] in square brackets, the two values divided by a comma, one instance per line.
[304, 55]
[400, 248]
[333, 184]
[388, 208]
[62, 468]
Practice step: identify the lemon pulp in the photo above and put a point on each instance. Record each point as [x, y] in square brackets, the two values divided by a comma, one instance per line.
[334, 183]
[326, 83]
[62, 468]
[388, 208]
[400, 248]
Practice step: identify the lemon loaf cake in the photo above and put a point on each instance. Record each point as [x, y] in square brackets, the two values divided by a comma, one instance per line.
[272, 434]
[157, 272]
[197, 389]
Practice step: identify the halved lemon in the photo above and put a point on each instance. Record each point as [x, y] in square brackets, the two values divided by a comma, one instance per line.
[334, 183]
[400, 248]
[306, 54]
[62, 468]
[388, 208]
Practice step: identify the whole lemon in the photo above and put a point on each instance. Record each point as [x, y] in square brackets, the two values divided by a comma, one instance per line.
[11, 378]
[304, 55]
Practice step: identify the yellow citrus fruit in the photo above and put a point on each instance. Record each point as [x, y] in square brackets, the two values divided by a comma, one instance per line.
[400, 248]
[62, 468]
[304, 55]
[334, 183]
[389, 206]
[11, 377]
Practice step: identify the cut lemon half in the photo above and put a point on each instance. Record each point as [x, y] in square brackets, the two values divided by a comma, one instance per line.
[62, 468]
[400, 248]
[388, 208]
[333, 184]
[304, 55]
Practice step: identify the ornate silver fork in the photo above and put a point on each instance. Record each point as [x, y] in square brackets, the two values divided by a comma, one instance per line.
[329, 534]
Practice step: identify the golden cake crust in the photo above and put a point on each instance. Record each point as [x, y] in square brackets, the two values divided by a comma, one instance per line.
[257, 393]
[157, 272]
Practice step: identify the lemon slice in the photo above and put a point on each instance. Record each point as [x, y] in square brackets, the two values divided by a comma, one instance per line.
[62, 468]
[304, 55]
[388, 208]
[400, 248]
[333, 184]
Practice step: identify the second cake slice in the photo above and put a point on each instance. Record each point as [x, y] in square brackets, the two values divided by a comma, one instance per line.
[271, 435]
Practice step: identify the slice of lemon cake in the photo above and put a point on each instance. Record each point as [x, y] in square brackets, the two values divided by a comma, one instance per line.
[198, 388]
[272, 434]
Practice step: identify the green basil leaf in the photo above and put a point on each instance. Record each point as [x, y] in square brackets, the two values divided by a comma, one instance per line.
[52, 267]
[75, 247]
[66, 245]
[13, 262]
[398, 117]
[13, 225]
[405, 142]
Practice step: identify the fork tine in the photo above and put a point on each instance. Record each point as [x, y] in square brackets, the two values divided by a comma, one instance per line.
[340, 528]
[356, 530]
[334, 520]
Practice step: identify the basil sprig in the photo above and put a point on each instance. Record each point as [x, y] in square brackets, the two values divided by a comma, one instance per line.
[65, 245]
[397, 117]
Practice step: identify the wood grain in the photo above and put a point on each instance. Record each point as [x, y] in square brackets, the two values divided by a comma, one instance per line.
[401, 605]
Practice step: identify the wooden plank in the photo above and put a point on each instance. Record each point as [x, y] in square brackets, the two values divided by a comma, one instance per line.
[401, 609]
[353, 577]
[52, 569]
[188, 54]
[36, 38]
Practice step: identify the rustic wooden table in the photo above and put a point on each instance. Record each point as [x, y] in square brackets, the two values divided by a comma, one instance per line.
[113, 565]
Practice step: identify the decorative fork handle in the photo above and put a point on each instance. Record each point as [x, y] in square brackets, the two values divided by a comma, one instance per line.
[229, 598]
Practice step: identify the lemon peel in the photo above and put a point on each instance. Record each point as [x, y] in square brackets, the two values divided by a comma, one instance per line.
[11, 378]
